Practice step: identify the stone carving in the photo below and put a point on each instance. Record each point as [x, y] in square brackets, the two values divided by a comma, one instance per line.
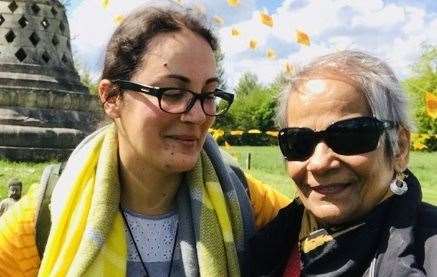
[44, 109]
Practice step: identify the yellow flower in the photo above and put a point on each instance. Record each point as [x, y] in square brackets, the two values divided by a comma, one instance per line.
[271, 54]
[302, 38]
[218, 20]
[419, 146]
[253, 44]
[265, 18]
[288, 68]
[235, 32]
[105, 4]
[233, 3]
[431, 105]
[118, 19]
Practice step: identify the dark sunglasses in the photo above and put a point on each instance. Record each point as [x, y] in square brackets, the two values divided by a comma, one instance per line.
[345, 137]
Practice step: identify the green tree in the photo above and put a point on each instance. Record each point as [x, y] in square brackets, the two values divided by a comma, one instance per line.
[247, 83]
[253, 107]
[424, 79]
[88, 81]
[219, 57]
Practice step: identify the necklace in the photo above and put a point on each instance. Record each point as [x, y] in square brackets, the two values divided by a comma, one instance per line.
[138, 251]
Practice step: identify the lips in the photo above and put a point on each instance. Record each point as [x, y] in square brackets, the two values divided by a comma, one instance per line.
[331, 189]
[188, 140]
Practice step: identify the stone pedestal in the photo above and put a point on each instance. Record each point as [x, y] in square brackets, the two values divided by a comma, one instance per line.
[44, 109]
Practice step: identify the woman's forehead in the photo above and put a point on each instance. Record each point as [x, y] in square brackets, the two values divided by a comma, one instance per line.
[182, 53]
[325, 98]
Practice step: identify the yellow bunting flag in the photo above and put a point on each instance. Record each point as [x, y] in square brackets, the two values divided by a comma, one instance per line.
[271, 54]
[178, 1]
[302, 38]
[272, 133]
[237, 133]
[288, 68]
[233, 3]
[235, 32]
[254, 131]
[105, 4]
[253, 44]
[431, 105]
[265, 18]
[118, 19]
[218, 20]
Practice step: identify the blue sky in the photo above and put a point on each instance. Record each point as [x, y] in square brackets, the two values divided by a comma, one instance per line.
[393, 30]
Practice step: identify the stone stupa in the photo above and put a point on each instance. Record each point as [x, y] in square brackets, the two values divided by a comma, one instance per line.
[44, 109]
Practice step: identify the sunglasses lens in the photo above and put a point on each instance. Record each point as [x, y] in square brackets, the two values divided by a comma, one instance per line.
[296, 144]
[354, 136]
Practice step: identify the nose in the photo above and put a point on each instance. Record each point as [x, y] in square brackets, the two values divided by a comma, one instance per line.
[195, 114]
[323, 159]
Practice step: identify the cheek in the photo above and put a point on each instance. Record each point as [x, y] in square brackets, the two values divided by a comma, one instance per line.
[296, 171]
[374, 174]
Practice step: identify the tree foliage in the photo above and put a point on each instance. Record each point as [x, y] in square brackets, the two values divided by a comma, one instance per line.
[424, 79]
[253, 107]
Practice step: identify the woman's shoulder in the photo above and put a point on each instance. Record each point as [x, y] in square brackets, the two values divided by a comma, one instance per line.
[427, 236]
[427, 217]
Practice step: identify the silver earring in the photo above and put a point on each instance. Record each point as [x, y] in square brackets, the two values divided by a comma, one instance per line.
[398, 186]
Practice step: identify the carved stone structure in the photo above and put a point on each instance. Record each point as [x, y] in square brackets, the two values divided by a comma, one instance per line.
[44, 109]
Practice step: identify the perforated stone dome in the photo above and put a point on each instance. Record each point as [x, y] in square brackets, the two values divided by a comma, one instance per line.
[35, 41]
[44, 109]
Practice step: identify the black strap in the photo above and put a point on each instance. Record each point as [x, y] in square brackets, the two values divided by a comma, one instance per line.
[48, 180]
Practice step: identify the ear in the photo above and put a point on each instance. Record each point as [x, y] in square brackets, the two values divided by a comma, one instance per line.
[402, 156]
[111, 103]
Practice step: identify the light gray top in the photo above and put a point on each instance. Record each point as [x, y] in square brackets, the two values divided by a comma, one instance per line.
[154, 237]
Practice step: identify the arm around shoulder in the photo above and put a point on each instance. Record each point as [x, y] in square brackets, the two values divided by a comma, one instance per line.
[266, 201]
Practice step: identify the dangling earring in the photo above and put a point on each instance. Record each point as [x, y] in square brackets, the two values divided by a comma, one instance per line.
[398, 185]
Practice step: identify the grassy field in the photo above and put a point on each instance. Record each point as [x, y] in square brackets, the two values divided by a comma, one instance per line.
[266, 164]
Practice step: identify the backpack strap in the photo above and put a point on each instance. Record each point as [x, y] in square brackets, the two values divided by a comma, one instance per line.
[48, 181]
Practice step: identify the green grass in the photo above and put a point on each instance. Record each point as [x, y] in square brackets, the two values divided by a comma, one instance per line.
[266, 164]
[28, 173]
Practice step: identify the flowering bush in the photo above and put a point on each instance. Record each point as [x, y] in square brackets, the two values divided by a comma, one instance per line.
[423, 142]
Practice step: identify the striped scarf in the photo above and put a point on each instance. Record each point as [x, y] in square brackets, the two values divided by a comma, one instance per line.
[87, 235]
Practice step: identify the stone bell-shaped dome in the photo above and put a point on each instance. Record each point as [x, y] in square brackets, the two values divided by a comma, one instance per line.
[35, 49]
[44, 108]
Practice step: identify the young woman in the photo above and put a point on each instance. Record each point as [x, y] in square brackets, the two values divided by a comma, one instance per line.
[146, 195]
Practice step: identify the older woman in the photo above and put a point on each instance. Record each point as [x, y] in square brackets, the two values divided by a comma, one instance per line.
[359, 210]
[144, 196]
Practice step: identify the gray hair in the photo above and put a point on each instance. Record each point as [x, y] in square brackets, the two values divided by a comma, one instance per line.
[372, 77]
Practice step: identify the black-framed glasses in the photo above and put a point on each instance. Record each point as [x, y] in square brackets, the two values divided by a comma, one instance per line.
[177, 101]
[346, 137]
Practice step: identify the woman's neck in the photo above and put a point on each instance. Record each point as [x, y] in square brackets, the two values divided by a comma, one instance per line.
[146, 190]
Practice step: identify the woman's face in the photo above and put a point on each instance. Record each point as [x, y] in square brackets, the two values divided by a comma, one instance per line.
[335, 188]
[167, 143]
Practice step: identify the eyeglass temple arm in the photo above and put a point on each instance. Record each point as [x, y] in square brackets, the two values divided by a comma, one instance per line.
[155, 91]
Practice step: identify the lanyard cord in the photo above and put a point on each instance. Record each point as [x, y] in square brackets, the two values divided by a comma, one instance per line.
[138, 251]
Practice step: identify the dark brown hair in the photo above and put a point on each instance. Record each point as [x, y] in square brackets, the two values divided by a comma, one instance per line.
[130, 41]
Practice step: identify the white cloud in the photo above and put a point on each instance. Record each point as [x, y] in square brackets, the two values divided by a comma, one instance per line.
[385, 18]
[392, 31]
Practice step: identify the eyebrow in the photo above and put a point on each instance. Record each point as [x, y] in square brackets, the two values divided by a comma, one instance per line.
[187, 80]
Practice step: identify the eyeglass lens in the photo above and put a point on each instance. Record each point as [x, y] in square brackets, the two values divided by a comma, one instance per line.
[346, 137]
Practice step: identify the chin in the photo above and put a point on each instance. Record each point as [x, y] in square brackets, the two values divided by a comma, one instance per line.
[330, 214]
[183, 163]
